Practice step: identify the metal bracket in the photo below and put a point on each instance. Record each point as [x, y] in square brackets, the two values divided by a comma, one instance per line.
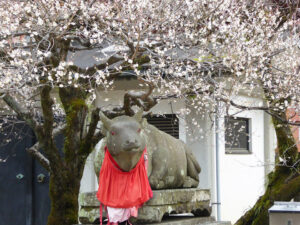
[20, 176]
[41, 178]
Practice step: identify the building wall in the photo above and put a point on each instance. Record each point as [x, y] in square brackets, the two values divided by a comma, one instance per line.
[270, 142]
[242, 176]
[200, 142]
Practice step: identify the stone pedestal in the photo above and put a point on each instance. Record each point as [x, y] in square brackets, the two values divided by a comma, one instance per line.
[164, 202]
[185, 221]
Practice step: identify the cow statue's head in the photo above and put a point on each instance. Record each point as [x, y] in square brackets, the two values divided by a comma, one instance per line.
[123, 134]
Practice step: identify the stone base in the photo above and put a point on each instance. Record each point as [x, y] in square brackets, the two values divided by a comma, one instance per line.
[186, 221]
[164, 202]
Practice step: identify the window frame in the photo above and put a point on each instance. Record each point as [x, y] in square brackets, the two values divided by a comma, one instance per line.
[245, 151]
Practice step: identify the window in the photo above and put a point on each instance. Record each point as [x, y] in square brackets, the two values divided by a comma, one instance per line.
[167, 123]
[237, 135]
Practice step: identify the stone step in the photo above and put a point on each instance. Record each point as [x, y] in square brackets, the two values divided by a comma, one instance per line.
[179, 220]
[182, 223]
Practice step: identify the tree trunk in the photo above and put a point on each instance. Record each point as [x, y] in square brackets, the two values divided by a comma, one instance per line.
[64, 199]
[284, 181]
[65, 180]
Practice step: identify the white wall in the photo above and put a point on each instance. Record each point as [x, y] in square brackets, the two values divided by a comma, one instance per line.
[200, 140]
[242, 176]
[89, 181]
[270, 143]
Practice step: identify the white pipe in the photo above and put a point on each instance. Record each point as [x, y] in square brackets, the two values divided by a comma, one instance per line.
[218, 203]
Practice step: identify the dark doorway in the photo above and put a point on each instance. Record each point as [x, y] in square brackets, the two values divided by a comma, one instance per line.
[24, 184]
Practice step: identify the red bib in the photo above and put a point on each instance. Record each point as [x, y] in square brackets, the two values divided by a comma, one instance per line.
[120, 189]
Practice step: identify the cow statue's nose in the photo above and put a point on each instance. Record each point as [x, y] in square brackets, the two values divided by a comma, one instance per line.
[131, 142]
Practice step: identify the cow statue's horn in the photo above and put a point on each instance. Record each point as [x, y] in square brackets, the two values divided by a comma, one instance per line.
[106, 122]
[139, 115]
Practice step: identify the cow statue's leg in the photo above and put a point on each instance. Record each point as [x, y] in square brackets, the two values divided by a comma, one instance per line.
[193, 169]
[159, 169]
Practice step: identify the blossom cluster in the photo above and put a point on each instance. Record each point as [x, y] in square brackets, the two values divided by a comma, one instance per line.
[203, 51]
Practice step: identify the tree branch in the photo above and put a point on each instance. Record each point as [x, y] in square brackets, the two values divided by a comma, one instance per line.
[46, 103]
[92, 128]
[139, 98]
[24, 114]
[266, 109]
[285, 121]
[96, 138]
[34, 151]
[14, 35]
[248, 107]
[46, 138]
[93, 69]
[116, 111]
[84, 43]
[58, 130]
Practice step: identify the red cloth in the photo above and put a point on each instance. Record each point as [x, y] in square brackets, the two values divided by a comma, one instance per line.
[120, 189]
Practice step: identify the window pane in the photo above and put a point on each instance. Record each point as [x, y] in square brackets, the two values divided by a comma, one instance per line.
[236, 133]
[167, 123]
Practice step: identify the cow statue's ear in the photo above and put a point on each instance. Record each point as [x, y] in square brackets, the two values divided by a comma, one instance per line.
[106, 123]
[139, 116]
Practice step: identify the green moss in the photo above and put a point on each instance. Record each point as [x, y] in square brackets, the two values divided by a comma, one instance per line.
[76, 109]
[141, 60]
[75, 105]
[138, 60]
[262, 219]
[64, 202]
[285, 142]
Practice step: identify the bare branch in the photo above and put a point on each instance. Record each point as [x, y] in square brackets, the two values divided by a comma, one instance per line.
[20, 111]
[19, 34]
[266, 109]
[139, 98]
[97, 137]
[93, 125]
[45, 135]
[284, 121]
[248, 107]
[93, 69]
[116, 111]
[83, 42]
[58, 130]
[46, 103]
[34, 151]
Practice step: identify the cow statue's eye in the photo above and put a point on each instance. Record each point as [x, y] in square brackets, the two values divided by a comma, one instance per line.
[139, 130]
[112, 133]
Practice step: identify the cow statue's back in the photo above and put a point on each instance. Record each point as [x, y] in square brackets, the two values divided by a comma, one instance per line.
[171, 164]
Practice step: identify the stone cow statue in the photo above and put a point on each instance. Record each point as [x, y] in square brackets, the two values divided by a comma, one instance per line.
[170, 163]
